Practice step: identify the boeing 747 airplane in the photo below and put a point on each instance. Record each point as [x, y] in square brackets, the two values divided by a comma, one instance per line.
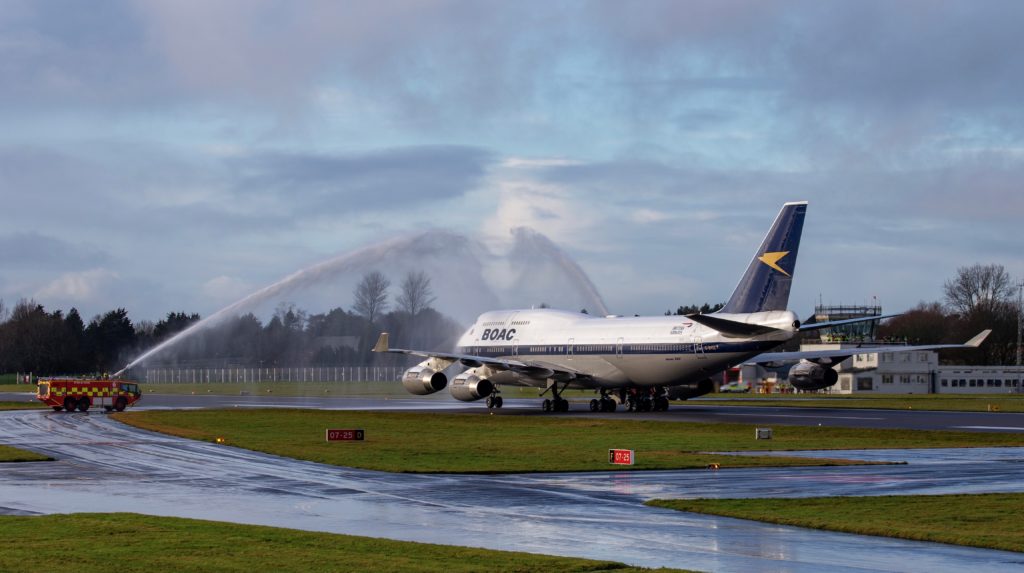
[643, 362]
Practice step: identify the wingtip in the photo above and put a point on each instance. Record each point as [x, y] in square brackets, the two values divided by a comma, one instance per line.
[977, 340]
[382, 343]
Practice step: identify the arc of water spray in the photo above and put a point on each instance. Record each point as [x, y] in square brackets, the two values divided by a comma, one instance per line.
[374, 254]
[291, 282]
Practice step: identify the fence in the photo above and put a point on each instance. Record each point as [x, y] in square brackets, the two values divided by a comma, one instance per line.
[246, 375]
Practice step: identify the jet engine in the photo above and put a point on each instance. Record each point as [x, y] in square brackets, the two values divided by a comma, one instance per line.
[421, 380]
[469, 386]
[691, 389]
[810, 376]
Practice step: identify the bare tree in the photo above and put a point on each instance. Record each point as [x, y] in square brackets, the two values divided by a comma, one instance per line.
[416, 293]
[372, 295]
[978, 288]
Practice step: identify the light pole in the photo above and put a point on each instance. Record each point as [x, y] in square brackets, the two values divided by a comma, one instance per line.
[1020, 322]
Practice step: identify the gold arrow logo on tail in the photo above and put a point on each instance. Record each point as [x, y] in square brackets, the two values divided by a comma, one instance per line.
[772, 260]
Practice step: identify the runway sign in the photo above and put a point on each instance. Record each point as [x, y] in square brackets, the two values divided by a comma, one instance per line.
[621, 457]
[345, 435]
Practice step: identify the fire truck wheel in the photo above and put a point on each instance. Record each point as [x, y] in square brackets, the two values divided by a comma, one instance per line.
[120, 404]
[70, 404]
[57, 408]
[83, 404]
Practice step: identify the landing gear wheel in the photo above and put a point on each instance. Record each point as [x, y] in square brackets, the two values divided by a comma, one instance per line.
[661, 404]
[490, 402]
[561, 405]
[83, 404]
[120, 404]
[498, 401]
[595, 405]
[546, 405]
[70, 404]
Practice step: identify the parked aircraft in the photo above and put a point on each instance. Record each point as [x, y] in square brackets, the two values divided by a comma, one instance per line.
[642, 362]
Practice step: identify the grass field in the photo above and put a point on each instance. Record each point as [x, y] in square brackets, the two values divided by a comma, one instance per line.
[9, 454]
[469, 442]
[28, 404]
[130, 543]
[983, 520]
[953, 402]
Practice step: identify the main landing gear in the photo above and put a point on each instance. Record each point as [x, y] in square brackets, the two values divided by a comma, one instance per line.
[556, 403]
[605, 404]
[652, 400]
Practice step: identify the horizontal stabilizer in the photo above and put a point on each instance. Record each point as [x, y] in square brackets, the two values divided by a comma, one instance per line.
[731, 328]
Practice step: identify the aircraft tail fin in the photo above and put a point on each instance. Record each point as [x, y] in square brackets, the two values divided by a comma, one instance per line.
[765, 285]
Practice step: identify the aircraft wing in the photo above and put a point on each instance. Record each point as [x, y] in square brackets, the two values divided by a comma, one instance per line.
[532, 369]
[837, 356]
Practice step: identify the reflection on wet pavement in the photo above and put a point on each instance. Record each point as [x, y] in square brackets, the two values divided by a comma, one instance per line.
[106, 466]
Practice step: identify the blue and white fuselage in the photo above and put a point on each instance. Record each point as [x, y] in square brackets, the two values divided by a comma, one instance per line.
[613, 352]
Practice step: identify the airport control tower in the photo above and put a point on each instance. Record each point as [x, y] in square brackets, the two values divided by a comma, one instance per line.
[857, 332]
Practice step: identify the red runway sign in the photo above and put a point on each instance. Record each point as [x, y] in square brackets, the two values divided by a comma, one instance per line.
[621, 457]
[344, 435]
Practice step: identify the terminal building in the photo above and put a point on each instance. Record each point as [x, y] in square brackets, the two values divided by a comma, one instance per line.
[886, 372]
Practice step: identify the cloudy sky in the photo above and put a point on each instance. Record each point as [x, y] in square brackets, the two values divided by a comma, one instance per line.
[177, 155]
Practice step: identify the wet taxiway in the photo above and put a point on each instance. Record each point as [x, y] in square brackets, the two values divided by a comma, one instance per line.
[690, 411]
[106, 466]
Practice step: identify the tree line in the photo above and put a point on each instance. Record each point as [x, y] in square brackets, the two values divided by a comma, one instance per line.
[979, 297]
[33, 339]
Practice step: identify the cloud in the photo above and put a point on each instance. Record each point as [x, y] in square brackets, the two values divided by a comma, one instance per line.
[78, 287]
[331, 183]
[226, 289]
[35, 250]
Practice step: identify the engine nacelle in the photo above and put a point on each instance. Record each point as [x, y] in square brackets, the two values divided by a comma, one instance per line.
[690, 389]
[468, 386]
[811, 376]
[421, 380]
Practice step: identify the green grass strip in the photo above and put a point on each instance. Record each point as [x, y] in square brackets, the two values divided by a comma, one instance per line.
[9, 454]
[26, 405]
[981, 520]
[505, 442]
[130, 543]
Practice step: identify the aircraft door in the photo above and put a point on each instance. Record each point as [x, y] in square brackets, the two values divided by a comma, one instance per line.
[568, 348]
[618, 348]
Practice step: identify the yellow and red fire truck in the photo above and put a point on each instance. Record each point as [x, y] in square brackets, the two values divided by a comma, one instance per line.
[77, 393]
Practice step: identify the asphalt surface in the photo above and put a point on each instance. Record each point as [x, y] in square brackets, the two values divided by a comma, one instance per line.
[106, 466]
[691, 411]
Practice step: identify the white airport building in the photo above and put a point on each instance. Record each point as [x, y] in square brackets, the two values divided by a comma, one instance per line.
[887, 372]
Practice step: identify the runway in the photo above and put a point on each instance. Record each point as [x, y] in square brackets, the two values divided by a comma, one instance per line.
[690, 411]
[106, 466]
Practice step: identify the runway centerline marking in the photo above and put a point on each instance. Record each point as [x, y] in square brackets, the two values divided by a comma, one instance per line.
[799, 416]
[1011, 428]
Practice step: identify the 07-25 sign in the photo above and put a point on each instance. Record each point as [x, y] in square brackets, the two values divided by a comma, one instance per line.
[621, 457]
[345, 435]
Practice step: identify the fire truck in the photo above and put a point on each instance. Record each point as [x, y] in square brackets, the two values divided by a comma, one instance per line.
[77, 393]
